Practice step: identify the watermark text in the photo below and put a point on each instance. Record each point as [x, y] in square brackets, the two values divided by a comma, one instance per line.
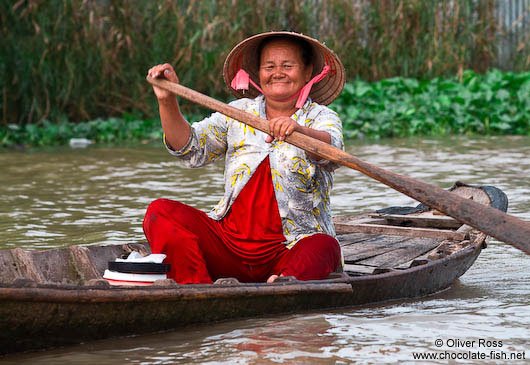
[464, 349]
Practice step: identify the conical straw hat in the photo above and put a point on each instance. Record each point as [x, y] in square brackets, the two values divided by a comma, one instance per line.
[245, 56]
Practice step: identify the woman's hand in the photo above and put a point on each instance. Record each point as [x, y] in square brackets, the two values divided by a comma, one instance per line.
[164, 71]
[176, 128]
[281, 127]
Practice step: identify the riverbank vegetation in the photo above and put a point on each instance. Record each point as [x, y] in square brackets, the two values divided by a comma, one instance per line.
[494, 103]
[77, 68]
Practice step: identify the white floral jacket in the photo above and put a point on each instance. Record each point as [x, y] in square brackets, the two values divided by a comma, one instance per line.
[302, 186]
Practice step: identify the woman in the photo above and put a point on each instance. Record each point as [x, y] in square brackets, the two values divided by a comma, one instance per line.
[274, 218]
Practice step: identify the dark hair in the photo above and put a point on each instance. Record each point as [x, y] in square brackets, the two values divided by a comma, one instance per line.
[306, 51]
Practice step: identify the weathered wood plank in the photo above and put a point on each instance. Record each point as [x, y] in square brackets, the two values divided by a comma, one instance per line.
[424, 221]
[8, 267]
[401, 231]
[341, 222]
[353, 238]
[371, 248]
[406, 251]
[424, 256]
[442, 249]
[358, 269]
[26, 265]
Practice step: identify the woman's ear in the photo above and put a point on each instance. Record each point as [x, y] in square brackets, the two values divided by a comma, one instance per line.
[308, 72]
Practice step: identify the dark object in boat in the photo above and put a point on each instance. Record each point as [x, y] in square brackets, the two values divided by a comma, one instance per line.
[498, 200]
[58, 297]
[139, 267]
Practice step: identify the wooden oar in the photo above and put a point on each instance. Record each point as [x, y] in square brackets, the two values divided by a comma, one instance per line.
[491, 221]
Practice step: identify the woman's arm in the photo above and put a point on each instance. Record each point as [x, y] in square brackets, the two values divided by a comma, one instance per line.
[175, 127]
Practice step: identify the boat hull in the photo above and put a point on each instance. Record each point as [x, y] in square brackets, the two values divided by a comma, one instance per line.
[69, 315]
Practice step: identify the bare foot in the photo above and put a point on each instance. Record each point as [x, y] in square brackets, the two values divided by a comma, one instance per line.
[273, 278]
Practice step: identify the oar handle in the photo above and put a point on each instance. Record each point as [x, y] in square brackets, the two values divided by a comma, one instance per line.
[491, 221]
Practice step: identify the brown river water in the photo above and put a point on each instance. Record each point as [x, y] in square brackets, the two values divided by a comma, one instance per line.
[98, 195]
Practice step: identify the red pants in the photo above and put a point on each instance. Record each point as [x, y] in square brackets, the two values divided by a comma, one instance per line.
[197, 254]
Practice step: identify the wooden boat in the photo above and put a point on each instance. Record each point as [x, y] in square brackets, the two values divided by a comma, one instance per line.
[58, 297]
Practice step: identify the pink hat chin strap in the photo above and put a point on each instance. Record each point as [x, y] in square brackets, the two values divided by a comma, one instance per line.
[242, 79]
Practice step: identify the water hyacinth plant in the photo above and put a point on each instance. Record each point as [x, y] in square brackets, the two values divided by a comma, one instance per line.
[494, 103]
[127, 129]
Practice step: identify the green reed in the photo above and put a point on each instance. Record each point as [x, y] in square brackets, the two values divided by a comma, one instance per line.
[79, 60]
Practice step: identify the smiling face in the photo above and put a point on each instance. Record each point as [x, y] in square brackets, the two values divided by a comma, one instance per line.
[282, 72]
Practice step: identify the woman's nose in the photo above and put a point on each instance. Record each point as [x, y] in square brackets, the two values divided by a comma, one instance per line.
[278, 72]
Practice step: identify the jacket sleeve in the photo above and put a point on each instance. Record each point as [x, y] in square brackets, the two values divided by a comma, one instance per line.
[207, 142]
[328, 121]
